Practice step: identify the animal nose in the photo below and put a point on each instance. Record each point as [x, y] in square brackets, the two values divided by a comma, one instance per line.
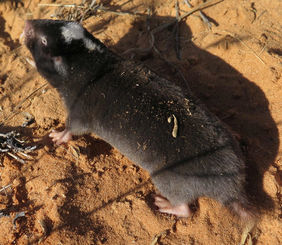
[28, 29]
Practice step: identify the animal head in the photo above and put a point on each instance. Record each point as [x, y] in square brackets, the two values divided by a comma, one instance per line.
[61, 48]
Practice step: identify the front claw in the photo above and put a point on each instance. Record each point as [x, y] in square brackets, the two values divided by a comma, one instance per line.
[60, 137]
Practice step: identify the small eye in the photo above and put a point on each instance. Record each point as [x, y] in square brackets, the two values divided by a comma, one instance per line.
[44, 41]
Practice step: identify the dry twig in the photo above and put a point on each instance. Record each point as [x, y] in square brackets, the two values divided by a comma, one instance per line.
[82, 10]
[4, 188]
[245, 45]
[168, 24]
[177, 42]
[10, 144]
[16, 110]
[202, 15]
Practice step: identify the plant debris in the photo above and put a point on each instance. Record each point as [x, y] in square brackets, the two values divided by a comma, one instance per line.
[202, 15]
[175, 125]
[18, 215]
[82, 11]
[10, 144]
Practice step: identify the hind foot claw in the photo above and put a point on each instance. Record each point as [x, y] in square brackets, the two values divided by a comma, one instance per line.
[164, 206]
[60, 137]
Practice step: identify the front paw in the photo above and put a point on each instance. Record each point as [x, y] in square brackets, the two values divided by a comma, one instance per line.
[60, 137]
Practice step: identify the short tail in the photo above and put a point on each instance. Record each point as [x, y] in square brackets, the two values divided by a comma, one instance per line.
[246, 212]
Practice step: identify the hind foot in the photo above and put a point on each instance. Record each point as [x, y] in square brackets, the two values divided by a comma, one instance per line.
[60, 137]
[164, 206]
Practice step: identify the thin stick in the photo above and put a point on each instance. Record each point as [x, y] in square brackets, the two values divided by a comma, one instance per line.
[15, 112]
[5, 187]
[200, 7]
[25, 155]
[241, 41]
[177, 43]
[203, 17]
[175, 67]
[59, 5]
[99, 8]
[142, 50]
[166, 25]
[31, 95]
[92, 4]
[262, 49]
[15, 157]
[103, 9]
[207, 4]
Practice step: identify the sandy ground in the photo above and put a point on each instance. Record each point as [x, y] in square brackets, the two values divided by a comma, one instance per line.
[86, 192]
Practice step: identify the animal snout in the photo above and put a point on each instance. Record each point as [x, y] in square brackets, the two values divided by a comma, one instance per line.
[28, 30]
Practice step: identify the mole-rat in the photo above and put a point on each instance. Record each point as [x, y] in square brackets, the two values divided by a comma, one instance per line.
[187, 150]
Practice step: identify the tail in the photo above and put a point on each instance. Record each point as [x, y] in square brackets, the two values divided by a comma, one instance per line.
[248, 215]
[246, 212]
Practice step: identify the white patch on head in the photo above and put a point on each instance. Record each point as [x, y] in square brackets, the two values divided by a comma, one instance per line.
[72, 31]
[89, 44]
[59, 66]
[75, 31]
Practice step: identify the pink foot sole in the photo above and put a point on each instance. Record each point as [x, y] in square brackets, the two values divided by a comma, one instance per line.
[60, 137]
[181, 210]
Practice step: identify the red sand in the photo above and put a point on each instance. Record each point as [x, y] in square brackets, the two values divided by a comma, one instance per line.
[87, 192]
